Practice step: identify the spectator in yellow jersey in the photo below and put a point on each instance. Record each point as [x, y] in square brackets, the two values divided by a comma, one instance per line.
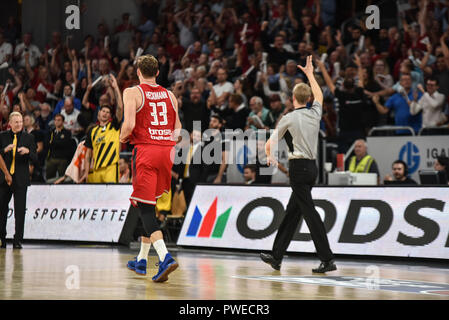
[103, 143]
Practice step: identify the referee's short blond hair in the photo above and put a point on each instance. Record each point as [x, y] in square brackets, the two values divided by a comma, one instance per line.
[302, 93]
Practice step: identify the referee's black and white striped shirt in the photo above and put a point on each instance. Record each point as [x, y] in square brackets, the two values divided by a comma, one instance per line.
[300, 128]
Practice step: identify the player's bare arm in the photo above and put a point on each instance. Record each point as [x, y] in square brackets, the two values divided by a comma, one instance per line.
[178, 125]
[131, 100]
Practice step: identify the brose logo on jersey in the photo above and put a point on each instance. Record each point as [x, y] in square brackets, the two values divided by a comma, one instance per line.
[161, 134]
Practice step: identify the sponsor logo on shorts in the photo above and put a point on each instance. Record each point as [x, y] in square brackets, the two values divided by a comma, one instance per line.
[210, 225]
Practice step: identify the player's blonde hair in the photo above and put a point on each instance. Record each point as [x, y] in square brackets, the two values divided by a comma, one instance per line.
[148, 66]
[302, 93]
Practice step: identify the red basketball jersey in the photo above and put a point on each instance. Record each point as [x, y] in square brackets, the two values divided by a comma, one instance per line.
[155, 118]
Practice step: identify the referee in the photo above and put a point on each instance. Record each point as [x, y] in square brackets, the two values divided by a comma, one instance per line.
[300, 129]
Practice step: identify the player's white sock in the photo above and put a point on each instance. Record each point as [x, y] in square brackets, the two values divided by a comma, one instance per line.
[144, 250]
[161, 249]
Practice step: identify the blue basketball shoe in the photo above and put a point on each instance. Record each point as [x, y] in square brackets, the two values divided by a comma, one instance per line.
[132, 264]
[141, 267]
[165, 268]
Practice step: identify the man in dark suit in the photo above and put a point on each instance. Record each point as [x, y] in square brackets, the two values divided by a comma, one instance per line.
[17, 147]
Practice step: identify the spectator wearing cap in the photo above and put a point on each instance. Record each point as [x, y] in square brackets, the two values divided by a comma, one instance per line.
[259, 117]
[238, 113]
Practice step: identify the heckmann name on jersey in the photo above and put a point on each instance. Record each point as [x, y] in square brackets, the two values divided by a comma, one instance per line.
[158, 95]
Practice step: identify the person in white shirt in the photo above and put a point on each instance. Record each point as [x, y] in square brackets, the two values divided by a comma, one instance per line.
[23, 48]
[431, 104]
[5, 50]
[71, 116]
[221, 91]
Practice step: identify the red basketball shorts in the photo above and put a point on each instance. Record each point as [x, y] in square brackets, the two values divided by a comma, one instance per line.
[151, 170]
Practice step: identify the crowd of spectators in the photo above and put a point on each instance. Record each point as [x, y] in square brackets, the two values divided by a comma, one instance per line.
[237, 62]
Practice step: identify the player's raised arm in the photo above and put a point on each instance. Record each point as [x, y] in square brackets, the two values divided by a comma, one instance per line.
[131, 96]
[308, 71]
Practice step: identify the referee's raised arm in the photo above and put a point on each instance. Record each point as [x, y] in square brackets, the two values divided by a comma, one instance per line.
[308, 71]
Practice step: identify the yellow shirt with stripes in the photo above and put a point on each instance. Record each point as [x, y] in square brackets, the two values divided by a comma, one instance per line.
[105, 145]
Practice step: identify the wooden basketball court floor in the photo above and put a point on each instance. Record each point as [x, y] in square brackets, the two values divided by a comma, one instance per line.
[42, 272]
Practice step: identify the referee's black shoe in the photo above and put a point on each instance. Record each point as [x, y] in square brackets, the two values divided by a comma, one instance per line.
[17, 245]
[268, 258]
[325, 267]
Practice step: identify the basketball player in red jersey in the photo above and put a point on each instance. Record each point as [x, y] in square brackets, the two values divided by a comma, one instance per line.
[152, 125]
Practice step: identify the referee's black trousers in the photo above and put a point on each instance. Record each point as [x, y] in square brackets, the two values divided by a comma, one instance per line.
[303, 174]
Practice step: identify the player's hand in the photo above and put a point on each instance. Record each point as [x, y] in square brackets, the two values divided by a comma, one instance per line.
[217, 180]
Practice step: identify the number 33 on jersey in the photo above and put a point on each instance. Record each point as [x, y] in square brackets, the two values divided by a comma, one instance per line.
[155, 118]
